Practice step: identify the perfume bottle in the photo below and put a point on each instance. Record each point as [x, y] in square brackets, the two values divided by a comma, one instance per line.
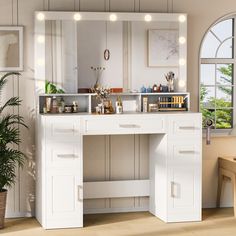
[119, 106]
[145, 104]
[54, 105]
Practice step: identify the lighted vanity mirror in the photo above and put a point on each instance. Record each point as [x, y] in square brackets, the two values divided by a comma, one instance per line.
[135, 49]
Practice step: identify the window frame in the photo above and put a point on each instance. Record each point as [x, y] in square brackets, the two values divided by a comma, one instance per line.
[217, 61]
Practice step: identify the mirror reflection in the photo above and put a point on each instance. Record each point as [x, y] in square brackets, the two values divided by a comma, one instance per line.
[117, 54]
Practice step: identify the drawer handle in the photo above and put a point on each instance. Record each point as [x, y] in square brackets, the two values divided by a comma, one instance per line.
[64, 130]
[187, 127]
[67, 155]
[129, 126]
[172, 189]
[186, 152]
[80, 193]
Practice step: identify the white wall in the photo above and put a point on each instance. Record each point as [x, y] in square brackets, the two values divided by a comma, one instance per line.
[201, 14]
[141, 73]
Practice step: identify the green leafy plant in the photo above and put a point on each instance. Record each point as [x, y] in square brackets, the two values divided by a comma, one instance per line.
[51, 88]
[10, 155]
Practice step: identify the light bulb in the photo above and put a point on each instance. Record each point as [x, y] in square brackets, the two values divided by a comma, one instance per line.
[148, 18]
[182, 61]
[41, 39]
[40, 16]
[181, 83]
[41, 62]
[77, 16]
[182, 40]
[113, 17]
[182, 18]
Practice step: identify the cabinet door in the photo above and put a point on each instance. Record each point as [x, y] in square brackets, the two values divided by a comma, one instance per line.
[64, 200]
[184, 193]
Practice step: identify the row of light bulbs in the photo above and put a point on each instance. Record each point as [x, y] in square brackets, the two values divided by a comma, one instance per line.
[112, 17]
[41, 39]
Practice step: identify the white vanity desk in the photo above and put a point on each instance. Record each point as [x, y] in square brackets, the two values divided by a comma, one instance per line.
[173, 144]
[175, 179]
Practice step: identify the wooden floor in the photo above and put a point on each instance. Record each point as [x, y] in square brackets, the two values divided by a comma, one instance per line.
[216, 222]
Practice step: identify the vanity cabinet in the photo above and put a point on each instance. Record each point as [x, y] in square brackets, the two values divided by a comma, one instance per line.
[60, 173]
[174, 185]
[184, 168]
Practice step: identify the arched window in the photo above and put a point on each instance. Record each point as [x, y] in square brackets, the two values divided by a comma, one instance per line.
[217, 60]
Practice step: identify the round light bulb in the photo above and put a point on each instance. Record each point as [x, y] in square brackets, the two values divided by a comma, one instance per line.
[148, 18]
[182, 18]
[40, 62]
[40, 16]
[113, 17]
[182, 40]
[182, 62]
[40, 39]
[181, 83]
[77, 16]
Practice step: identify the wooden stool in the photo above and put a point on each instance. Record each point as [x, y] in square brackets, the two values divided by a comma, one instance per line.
[227, 171]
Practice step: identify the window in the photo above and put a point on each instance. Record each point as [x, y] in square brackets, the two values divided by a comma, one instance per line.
[217, 63]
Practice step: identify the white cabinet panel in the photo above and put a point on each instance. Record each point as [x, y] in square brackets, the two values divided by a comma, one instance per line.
[125, 125]
[64, 200]
[185, 152]
[185, 125]
[182, 188]
[62, 127]
[63, 186]
[184, 194]
[63, 154]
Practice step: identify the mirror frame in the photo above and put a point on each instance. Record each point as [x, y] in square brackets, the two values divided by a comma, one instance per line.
[41, 16]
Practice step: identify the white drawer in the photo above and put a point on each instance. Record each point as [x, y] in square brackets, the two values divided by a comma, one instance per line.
[62, 127]
[185, 125]
[185, 153]
[125, 125]
[63, 154]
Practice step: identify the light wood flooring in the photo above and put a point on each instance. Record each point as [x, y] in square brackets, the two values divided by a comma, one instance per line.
[216, 222]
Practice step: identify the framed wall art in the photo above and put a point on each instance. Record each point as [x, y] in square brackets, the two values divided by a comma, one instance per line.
[11, 48]
[163, 48]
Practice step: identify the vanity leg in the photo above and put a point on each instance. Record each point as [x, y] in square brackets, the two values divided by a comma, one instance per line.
[234, 192]
[220, 180]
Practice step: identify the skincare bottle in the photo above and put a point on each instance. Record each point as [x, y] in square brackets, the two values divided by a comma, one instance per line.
[145, 104]
[119, 106]
[54, 105]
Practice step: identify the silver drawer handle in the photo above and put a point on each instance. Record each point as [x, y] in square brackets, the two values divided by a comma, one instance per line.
[129, 126]
[64, 130]
[172, 186]
[80, 193]
[67, 155]
[186, 152]
[187, 127]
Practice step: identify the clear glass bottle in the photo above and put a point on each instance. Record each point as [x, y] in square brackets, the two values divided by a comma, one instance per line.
[54, 105]
[119, 106]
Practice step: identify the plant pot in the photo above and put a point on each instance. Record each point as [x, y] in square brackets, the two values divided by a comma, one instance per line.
[3, 200]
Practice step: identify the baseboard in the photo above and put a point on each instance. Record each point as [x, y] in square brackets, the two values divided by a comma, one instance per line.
[19, 214]
[213, 205]
[115, 210]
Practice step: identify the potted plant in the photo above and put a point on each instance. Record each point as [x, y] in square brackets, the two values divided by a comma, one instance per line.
[10, 155]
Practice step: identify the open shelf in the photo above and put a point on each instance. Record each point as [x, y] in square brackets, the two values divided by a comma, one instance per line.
[132, 102]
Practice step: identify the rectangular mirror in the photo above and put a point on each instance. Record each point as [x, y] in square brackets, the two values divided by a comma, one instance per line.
[127, 50]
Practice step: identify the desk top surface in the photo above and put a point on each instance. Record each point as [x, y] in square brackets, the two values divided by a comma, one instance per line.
[228, 163]
[120, 115]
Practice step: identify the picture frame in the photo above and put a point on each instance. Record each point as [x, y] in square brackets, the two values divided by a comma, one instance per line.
[163, 48]
[11, 48]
